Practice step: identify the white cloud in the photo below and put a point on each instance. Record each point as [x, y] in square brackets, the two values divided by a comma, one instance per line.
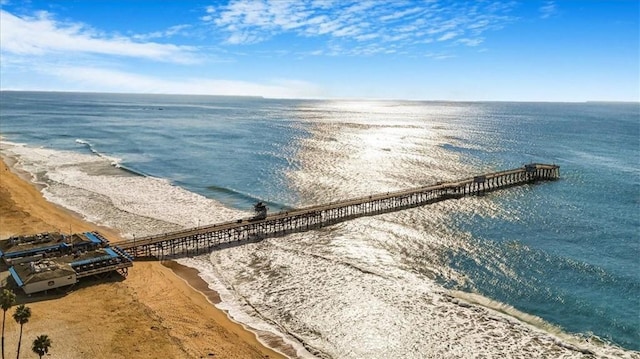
[448, 36]
[401, 14]
[171, 31]
[548, 10]
[367, 37]
[40, 53]
[210, 11]
[347, 31]
[88, 79]
[439, 56]
[41, 35]
[373, 22]
[243, 38]
[470, 42]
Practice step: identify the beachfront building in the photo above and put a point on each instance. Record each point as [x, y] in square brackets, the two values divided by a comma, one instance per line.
[18, 249]
[51, 260]
[42, 275]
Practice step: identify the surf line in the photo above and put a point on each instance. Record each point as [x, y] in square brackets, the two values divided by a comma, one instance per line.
[245, 230]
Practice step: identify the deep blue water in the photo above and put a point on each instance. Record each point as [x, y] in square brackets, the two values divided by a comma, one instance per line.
[577, 253]
[565, 251]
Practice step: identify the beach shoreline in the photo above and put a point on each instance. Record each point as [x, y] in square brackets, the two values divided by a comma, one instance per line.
[169, 309]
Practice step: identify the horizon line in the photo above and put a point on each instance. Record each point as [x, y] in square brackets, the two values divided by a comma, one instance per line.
[320, 98]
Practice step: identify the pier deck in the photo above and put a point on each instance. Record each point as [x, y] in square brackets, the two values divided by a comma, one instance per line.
[203, 239]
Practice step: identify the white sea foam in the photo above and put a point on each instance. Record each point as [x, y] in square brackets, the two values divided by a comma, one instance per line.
[237, 309]
[135, 205]
[339, 290]
[331, 302]
[352, 290]
[346, 291]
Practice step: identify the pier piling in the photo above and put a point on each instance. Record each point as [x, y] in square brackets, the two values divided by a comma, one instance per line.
[204, 238]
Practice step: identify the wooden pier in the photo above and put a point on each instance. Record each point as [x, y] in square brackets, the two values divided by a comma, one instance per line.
[203, 239]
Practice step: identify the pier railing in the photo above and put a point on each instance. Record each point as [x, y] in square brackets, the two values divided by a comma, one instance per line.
[203, 239]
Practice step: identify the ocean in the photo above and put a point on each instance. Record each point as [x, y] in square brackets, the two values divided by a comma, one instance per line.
[523, 272]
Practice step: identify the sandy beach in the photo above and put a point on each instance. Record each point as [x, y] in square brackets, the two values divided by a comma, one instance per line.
[162, 310]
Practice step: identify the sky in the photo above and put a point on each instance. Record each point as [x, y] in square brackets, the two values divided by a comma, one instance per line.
[366, 49]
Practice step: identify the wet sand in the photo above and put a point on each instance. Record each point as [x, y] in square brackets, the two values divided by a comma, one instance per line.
[159, 311]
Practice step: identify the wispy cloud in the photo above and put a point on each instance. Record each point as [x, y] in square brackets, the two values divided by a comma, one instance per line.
[548, 10]
[470, 42]
[449, 35]
[78, 78]
[364, 23]
[41, 51]
[42, 35]
[439, 56]
[170, 32]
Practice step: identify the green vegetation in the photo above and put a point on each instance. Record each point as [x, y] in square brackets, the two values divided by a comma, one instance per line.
[41, 345]
[21, 316]
[7, 300]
